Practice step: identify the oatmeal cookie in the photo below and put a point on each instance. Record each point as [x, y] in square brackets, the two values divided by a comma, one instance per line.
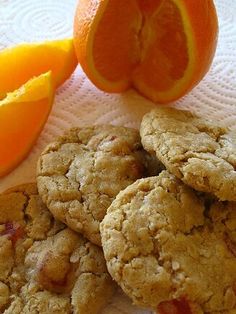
[199, 152]
[80, 174]
[172, 249]
[45, 267]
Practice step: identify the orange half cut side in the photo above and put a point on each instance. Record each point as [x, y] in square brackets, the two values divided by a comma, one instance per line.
[169, 56]
[180, 51]
[106, 37]
[163, 48]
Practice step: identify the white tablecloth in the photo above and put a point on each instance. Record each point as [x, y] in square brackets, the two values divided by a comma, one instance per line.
[78, 102]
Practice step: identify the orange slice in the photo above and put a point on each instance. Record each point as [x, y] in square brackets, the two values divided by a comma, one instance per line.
[163, 48]
[23, 114]
[20, 63]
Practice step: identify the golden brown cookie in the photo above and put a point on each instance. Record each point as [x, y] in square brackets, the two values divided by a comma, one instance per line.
[80, 174]
[45, 267]
[199, 152]
[169, 248]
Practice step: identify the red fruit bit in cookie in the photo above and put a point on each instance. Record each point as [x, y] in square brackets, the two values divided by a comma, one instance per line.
[14, 231]
[234, 288]
[54, 272]
[136, 169]
[174, 307]
[230, 244]
[113, 138]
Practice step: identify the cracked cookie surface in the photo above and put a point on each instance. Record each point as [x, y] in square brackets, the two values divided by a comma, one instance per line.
[170, 248]
[80, 174]
[45, 267]
[200, 153]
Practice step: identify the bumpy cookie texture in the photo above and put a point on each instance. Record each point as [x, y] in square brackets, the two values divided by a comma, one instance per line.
[45, 267]
[197, 151]
[169, 248]
[80, 174]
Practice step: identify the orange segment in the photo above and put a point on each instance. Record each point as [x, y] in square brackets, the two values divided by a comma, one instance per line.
[149, 6]
[161, 47]
[121, 60]
[106, 32]
[182, 52]
[21, 63]
[23, 114]
[168, 56]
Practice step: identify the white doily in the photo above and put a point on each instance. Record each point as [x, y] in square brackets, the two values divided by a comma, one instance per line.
[78, 102]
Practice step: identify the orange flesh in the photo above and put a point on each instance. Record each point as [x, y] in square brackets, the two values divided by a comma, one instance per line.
[163, 48]
[19, 129]
[147, 7]
[205, 31]
[23, 114]
[166, 59]
[19, 64]
[145, 29]
[119, 24]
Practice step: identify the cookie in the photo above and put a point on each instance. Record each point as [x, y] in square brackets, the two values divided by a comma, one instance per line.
[80, 174]
[171, 249]
[199, 152]
[44, 266]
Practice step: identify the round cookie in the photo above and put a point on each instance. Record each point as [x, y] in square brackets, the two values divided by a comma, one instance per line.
[171, 249]
[44, 266]
[200, 153]
[80, 174]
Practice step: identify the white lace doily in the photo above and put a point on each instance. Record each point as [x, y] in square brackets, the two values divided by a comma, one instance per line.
[78, 102]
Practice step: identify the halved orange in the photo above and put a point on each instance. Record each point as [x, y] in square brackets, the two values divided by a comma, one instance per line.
[20, 63]
[23, 114]
[163, 48]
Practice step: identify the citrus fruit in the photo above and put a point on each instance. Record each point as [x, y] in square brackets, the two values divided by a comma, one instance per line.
[20, 63]
[23, 114]
[163, 48]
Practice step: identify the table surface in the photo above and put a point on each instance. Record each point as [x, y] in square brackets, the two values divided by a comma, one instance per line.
[78, 102]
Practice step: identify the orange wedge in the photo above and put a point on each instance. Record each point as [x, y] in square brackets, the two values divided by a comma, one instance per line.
[23, 114]
[163, 48]
[20, 63]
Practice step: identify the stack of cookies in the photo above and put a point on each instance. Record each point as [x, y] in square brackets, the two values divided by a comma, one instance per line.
[170, 240]
[51, 260]
[160, 221]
